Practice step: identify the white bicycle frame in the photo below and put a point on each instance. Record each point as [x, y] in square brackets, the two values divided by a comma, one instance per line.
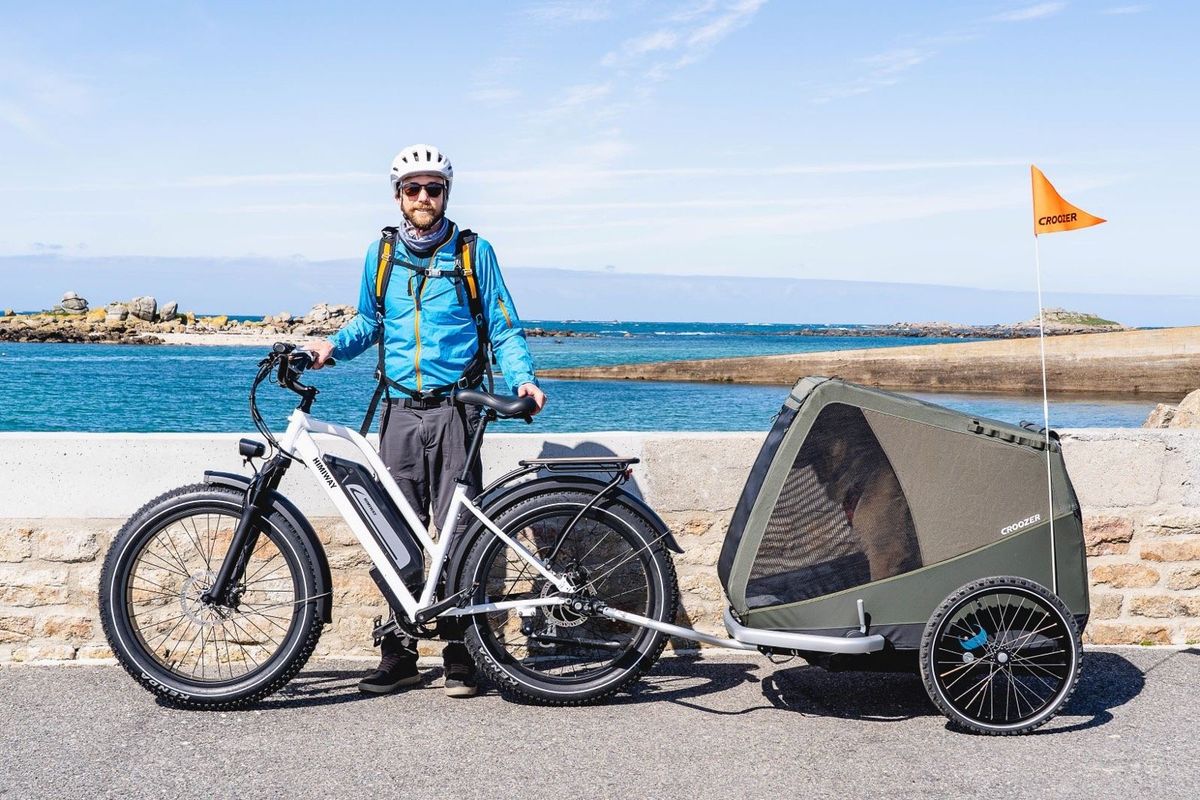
[299, 442]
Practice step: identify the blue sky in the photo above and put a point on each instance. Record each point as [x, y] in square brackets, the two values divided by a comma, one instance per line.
[862, 141]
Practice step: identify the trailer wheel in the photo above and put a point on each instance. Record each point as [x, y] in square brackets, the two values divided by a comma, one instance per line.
[1000, 656]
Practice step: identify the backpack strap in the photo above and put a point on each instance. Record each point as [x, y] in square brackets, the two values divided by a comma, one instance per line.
[383, 273]
[383, 270]
[465, 259]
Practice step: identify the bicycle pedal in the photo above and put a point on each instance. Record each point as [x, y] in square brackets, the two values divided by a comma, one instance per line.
[382, 629]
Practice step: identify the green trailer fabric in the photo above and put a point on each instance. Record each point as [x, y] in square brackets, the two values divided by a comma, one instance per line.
[857, 487]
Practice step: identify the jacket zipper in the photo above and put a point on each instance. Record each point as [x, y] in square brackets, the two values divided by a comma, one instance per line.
[417, 314]
[417, 330]
[504, 311]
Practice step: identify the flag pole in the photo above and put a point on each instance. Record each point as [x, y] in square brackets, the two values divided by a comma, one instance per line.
[1037, 260]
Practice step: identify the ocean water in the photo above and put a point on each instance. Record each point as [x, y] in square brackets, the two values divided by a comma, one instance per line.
[142, 388]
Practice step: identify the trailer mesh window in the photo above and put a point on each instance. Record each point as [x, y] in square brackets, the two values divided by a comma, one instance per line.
[841, 519]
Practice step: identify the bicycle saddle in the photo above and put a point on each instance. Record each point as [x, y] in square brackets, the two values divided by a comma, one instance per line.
[503, 406]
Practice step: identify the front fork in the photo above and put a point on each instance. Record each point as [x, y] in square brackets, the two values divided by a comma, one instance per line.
[223, 591]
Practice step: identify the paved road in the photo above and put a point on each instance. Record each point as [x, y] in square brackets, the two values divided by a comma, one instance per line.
[729, 728]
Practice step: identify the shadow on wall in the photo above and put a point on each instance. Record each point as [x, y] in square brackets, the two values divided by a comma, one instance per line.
[589, 450]
[593, 449]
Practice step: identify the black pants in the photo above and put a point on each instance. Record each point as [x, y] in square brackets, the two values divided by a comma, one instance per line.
[425, 450]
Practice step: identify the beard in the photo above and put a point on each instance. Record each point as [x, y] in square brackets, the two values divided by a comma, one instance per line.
[423, 216]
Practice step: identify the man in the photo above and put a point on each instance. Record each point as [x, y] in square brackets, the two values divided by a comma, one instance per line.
[430, 342]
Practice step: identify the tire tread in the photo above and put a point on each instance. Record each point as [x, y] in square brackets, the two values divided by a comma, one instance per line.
[289, 670]
[944, 608]
[511, 689]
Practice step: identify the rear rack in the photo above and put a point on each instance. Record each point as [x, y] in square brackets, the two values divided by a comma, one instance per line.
[568, 464]
[579, 463]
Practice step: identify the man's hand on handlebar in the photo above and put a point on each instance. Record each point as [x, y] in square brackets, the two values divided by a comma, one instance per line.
[532, 390]
[321, 351]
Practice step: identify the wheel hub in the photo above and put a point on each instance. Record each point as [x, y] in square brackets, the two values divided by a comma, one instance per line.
[192, 602]
[569, 614]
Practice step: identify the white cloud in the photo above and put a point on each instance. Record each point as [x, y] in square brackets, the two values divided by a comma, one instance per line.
[33, 97]
[569, 175]
[494, 95]
[693, 11]
[717, 29]
[699, 28]
[1029, 12]
[570, 11]
[16, 117]
[884, 69]
[280, 179]
[495, 82]
[633, 48]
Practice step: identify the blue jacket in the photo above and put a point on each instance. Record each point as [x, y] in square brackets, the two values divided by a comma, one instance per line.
[432, 345]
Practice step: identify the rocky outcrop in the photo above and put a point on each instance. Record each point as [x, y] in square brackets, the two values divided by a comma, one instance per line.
[324, 312]
[73, 304]
[144, 308]
[558, 334]
[70, 329]
[168, 311]
[1184, 415]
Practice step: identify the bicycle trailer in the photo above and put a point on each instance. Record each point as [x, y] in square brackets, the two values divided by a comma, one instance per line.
[873, 516]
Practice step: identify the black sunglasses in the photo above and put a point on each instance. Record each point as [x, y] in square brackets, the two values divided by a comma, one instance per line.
[414, 189]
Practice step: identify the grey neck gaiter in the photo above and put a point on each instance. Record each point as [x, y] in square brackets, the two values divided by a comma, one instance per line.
[422, 243]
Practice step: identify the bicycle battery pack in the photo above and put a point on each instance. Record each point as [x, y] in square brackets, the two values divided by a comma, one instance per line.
[382, 518]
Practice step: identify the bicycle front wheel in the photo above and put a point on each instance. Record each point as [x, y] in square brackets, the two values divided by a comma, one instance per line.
[196, 654]
[550, 654]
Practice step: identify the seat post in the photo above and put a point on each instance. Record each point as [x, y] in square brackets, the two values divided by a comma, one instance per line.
[486, 416]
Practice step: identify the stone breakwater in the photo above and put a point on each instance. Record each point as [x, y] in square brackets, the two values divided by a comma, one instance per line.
[1056, 322]
[1139, 490]
[1136, 362]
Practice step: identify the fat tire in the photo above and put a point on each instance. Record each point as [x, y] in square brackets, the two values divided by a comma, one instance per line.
[928, 643]
[500, 677]
[172, 689]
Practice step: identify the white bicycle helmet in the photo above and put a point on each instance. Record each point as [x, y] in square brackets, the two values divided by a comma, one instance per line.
[421, 159]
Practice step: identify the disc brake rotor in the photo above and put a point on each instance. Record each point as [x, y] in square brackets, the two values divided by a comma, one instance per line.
[194, 608]
[561, 616]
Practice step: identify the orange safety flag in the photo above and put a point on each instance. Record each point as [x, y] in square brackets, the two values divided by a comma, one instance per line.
[1051, 213]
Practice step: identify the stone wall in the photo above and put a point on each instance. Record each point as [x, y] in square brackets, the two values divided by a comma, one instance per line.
[64, 496]
[1140, 493]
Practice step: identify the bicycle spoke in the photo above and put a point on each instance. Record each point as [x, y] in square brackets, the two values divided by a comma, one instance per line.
[201, 642]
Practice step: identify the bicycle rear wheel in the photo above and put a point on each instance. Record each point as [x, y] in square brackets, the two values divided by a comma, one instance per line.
[186, 651]
[550, 654]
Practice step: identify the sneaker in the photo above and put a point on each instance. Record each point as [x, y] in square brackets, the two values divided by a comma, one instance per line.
[394, 673]
[460, 680]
